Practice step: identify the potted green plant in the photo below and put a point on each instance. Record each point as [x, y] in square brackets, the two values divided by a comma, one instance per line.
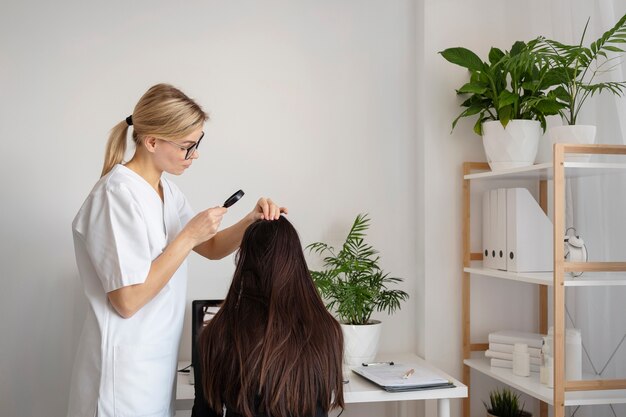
[508, 94]
[354, 286]
[577, 71]
[505, 403]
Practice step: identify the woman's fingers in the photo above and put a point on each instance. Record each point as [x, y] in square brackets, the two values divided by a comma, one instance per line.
[269, 210]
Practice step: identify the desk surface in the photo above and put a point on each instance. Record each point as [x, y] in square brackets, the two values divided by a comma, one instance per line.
[358, 390]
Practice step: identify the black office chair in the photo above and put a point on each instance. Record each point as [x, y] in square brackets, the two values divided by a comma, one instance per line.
[201, 312]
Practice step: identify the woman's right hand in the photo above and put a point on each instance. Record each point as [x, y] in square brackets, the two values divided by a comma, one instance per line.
[204, 225]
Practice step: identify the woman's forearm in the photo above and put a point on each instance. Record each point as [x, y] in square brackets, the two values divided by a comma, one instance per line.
[130, 299]
[225, 241]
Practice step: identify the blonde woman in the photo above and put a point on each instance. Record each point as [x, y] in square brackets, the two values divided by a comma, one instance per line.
[132, 236]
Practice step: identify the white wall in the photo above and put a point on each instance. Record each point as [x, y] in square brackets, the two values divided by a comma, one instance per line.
[477, 25]
[312, 103]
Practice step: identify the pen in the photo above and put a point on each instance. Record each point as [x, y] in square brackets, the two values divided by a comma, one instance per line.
[376, 363]
[408, 373]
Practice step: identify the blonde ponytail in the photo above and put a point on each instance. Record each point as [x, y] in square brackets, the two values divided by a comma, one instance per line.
[163, 111]
[116, 147]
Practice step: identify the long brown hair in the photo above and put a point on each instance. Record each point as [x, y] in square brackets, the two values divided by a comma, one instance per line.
[163, 111]
[272, 348]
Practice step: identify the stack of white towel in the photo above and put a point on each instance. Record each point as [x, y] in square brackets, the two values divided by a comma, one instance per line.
[501, 345]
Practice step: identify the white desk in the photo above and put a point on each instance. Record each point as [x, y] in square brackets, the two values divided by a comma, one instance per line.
[360, 390]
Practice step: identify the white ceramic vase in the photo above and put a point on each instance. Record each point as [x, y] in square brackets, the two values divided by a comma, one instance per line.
[360, 342]
[512, 147]
[574, 134]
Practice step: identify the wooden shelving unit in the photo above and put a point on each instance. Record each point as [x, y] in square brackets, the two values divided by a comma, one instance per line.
[587, 391]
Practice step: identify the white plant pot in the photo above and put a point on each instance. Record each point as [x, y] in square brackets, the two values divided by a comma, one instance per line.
[513, 147]
[574, 134]
[360, 342]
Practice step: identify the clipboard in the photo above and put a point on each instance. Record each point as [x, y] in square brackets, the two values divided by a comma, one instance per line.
[393, 377]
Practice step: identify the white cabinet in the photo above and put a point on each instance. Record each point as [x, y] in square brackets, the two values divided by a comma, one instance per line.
[565, 393]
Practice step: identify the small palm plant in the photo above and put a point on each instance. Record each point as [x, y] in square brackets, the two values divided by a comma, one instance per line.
[352, 282]
[576, 68]
[504, 403]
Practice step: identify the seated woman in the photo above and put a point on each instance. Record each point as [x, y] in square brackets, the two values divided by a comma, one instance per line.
[272, 349]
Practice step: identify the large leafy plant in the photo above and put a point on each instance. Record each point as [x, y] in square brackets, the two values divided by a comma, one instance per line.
[352, 282]
[510, 85]
[576, 68]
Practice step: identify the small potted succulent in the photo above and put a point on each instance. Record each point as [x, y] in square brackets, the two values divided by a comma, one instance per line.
[505, 403]
[354, 286]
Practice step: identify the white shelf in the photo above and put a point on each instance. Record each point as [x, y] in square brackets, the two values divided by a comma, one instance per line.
[588, 279]
[539, 171]
[597, 279]
[531, 386]
[545, 171]
[544, 278]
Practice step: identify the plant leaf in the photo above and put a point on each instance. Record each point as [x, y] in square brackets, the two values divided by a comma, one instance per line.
[478, 126]
[464, 58]
[505, 115]
[495, 55]
[548, 106]
[562, 94]
[506, 98]
[472, 88]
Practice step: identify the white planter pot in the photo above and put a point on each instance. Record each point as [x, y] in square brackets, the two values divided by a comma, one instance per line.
[575, 134]
[513, 147]
[360, 342]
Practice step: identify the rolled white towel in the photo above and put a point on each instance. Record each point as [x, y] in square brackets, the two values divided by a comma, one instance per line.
[511, 337]
[509, 357]
[501, 363]
[506, 348]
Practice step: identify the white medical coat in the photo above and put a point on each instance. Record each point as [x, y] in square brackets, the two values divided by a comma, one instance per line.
[127, 367]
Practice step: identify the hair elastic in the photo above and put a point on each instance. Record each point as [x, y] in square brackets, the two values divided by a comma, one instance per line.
[129, 120]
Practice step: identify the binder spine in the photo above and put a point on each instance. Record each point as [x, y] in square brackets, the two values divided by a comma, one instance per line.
[486, 230]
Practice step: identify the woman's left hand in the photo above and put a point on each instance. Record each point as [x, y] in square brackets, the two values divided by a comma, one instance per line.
[266, 209]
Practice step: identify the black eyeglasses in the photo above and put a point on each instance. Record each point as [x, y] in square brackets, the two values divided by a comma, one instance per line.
[190, 150]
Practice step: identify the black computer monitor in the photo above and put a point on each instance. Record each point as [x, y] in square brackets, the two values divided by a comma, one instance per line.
[201, 312]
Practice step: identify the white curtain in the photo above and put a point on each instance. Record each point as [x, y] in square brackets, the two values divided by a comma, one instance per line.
[596, 207]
